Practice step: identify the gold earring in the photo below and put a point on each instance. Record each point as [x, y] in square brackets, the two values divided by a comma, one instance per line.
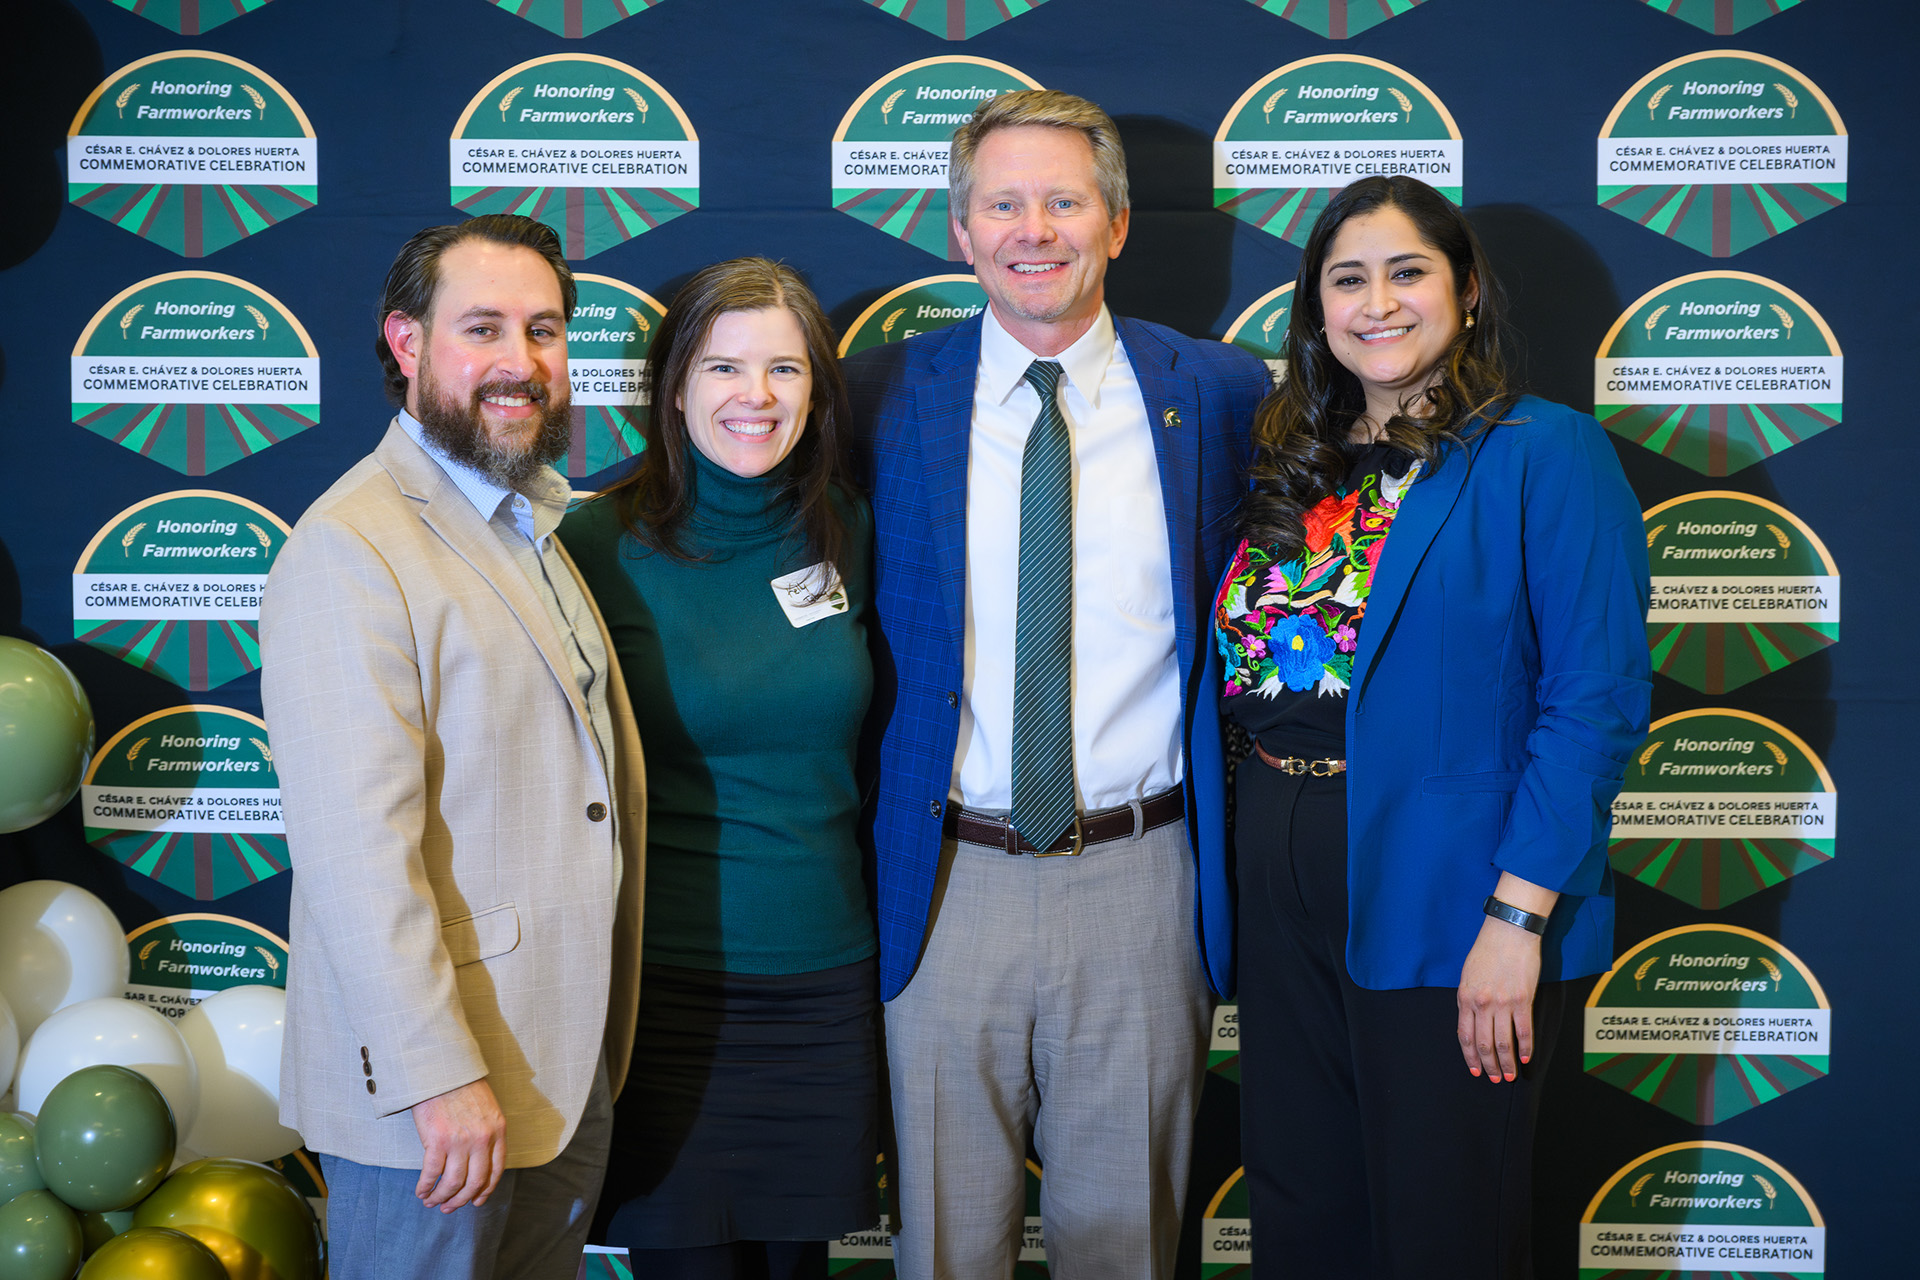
[1470, 321]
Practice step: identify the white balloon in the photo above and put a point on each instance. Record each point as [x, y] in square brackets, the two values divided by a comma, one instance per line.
[234, 1036]
[59, 945]
[9, 1046]
[112, 1030]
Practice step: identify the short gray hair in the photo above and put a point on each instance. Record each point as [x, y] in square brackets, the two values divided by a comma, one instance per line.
[1046, 108]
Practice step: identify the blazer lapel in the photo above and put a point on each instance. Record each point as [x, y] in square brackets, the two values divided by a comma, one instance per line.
[944, 406]
[466, 532]
[1422, 513]
[1173, 415]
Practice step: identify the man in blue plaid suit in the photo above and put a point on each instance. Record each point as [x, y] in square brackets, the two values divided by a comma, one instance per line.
[1048, 687]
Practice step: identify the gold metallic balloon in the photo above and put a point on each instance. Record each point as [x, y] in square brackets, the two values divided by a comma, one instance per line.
[254, 1221]
[153, 1253]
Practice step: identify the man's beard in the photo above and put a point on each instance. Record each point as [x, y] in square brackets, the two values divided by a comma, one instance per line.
[458, 431]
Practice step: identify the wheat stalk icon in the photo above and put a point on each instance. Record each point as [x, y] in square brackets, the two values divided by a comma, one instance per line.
[1654, 318]
[1653, 533]
[267, 955]
[1780, 536]
[1406, 103]
[266, 752]
[1786, 317]
[1793, 102]
[1773, 748]
[259, 318]
[1266, 108]
[1773, 971]
[148, 950]
[508, 101]
[1654, 101]
[1646, 757]
[639, 102]
[133, 752]
[638, 319]
[886, 326]
[258, 101]
[127, 319]
[1633, 1192]
[126, 543]
[1266, 326]
[888, 105]
[1639, 975]
[126, 96]
[266, 543]
[1767, 1186]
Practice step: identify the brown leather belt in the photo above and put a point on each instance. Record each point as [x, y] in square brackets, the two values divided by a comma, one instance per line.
[1299, 765]
[1097, 827]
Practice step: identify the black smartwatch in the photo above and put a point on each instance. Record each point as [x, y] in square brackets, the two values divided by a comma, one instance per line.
[1531, 921]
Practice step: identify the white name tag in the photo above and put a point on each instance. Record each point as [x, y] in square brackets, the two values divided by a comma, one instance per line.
[795, 590]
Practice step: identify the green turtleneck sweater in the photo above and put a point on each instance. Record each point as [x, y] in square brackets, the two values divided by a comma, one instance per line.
[750, 726]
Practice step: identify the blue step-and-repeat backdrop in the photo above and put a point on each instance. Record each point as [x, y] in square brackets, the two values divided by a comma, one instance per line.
[203, 195]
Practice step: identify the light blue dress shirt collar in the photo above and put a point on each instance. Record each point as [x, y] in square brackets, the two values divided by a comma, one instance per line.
[486, 496]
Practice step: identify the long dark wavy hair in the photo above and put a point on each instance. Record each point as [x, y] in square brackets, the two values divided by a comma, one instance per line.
[1301, 432]
[656, 500]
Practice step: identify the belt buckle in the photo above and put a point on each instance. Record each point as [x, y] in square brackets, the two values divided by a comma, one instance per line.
[1073, 850]
[1317, 771]
[1293, 766]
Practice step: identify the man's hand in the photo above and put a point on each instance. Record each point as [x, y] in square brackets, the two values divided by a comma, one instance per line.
[465, 1137]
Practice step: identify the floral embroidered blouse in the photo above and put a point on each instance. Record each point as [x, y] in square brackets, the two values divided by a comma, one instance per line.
[1288, 629]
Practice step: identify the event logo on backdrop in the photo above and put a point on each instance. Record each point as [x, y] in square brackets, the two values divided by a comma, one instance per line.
[866, 1255]
[606, 1262]
[195, 370]
[1741, 588]
[172, 585]
[1718, 370]
[193, 151]
[188, 796]
[1708, 1021]
[1226, 1232]
[956, 19]
[191, 17]
[574, 19]
[1704, 1210]
[919, 306]
[607, 343]
[1719, 804]
[177, 961]
[593, 148]
[1721, 150]
[1032, 1263]
[1262, 329]
[1722, 17]
[1301, 133]
[890, 151]
[1223, 1046]
[1338, 19]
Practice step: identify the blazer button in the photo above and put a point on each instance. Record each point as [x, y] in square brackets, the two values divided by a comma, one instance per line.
[953, 699]
[933, 807]
[596, 812]
[366, 1068]
[370, 1086]
[363, 1053]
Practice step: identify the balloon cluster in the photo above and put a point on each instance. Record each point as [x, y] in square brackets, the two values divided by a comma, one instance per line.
[88, 1179]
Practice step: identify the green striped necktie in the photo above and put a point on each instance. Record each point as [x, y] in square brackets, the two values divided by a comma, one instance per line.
[1043, 797]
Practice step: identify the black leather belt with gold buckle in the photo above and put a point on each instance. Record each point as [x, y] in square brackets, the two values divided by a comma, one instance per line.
[1297, 765]
[1097, 827]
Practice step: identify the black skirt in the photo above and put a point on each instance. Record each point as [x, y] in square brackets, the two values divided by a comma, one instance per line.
[750, 1110]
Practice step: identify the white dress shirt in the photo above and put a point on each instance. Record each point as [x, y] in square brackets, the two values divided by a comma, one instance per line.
[1126, 678]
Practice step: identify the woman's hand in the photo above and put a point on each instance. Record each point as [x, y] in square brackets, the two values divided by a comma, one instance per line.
[1497, 985]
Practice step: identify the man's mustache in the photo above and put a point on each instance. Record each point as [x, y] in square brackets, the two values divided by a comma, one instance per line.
[531, 390]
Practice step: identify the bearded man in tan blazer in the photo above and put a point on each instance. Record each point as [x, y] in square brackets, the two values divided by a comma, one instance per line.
[463, 793]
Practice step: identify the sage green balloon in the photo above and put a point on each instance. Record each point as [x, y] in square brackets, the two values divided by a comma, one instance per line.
[98, 1228]
[153, 1253]
[39, 1238]
[254, 1220]
[105, 1138]
[18, 1171]
[46, 734]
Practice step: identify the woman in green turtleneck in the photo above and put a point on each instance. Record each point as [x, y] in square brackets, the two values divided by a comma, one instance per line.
[733, 571]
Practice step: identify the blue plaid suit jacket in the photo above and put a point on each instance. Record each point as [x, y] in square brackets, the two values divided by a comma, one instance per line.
[912, 415]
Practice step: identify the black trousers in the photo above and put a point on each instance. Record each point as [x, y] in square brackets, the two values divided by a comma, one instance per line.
[1370, 1152]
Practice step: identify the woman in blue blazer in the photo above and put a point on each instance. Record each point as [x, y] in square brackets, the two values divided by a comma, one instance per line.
[1434, 630]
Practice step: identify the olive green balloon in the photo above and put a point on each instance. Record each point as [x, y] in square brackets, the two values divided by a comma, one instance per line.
[46, 734]
[254, 1220]
[18, 1171]
[39, 1238]
[98, 1228]
[153, 1253]
[105, 1138]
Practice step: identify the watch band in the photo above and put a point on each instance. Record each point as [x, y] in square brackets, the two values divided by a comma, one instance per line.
[1531, 921]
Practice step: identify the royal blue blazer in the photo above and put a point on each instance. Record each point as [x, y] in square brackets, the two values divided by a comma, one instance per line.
[1500, 686]
[912, 417]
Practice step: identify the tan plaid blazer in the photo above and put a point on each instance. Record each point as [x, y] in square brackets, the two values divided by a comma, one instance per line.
[454, 913]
